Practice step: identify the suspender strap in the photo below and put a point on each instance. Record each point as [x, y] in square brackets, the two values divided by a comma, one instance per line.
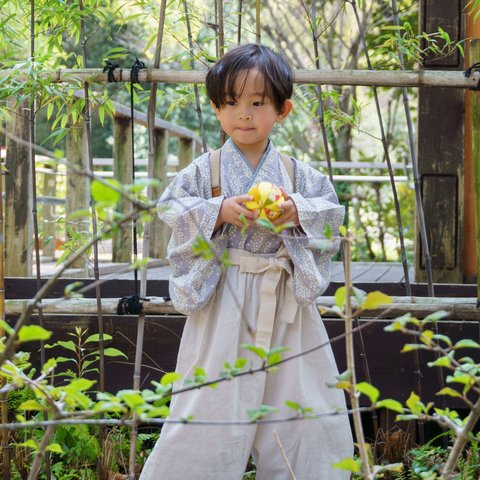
[215, 171]
[288, 164]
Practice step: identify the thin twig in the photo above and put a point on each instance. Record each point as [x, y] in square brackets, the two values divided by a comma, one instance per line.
[284, 455]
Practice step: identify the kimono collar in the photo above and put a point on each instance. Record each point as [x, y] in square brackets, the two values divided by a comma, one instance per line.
[231, 147]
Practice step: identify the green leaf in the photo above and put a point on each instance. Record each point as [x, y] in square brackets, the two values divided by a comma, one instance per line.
[54, 447]
[261, 352]
[466, 343]
[156, 412]
[104, 193]
[113, 352]
[169, 378]
[435, 316]
[444, 361]
[349, 464]
[450, 392]
[96, 338]
[240, 363]
[414, 404]
[391, 404]
[328, 231]
[30, 443]
[370, 391]
[413, 346]
[30, 333]
[31, 405]
[50, 364]
[374, 300]
[257, 414]
[340, 297]
[5, 326]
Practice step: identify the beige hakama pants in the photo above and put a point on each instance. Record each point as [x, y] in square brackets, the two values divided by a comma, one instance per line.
[254, 305]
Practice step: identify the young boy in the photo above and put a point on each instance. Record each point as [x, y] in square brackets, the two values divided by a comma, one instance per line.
[266, 298]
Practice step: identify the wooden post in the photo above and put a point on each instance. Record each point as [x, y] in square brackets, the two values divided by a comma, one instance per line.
[48, 210]
[122, 171]
[78, 187]
[18, 198]
[185, 152]
[159, 231]
[472, 55]
[474, 111]
[440, 151]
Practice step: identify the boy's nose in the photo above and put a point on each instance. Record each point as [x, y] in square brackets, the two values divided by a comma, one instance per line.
[245, 116]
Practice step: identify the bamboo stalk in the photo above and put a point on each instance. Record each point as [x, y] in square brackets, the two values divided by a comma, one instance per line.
[96, 273]
[31, 154]
[380, 78]
[353, 394]
[258, 25]
[146, 237]
[386, 154]
[419, 209]
[195, 87]
[321, 122]
[3, 397]
[239, 26]
[419, 307]
[221, 32]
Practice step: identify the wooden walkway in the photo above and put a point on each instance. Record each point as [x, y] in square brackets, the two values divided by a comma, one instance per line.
[362, 272]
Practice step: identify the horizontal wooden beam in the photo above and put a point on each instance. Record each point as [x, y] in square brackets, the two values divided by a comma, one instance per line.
[419, 307]
[386, 78]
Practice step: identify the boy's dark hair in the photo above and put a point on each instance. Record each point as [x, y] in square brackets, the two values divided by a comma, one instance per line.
[276, 71]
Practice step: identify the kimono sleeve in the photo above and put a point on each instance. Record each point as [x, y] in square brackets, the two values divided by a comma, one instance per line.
[188, 208]
[310, 249]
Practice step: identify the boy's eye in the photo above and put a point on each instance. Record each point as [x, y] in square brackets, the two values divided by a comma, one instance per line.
[231, 103]
[257, 104]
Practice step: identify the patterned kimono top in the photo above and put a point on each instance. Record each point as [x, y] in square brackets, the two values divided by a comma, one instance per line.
[188, 208]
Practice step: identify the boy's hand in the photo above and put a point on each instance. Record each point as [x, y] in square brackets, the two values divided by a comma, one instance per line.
[290, 212]
[232, 209]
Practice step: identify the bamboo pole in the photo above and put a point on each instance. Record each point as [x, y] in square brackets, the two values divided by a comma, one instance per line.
[380, 78]
[464, 308]
[258, 25]
[386, 153]
[350, 353]
[146, 236]
[3, 397]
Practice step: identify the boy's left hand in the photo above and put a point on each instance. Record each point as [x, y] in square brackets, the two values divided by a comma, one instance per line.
[290, 212]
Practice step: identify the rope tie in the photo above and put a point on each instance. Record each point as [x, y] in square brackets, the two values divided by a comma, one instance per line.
[135, 70]
[468, 73]
[110, 68]
[131, 305]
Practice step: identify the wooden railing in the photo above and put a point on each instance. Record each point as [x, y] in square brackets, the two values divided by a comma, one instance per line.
[18, 194]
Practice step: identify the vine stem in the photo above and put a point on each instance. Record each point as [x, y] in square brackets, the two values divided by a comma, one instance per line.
[357, 419]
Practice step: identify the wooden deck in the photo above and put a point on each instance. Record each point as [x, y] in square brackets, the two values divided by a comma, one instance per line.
[362, 272]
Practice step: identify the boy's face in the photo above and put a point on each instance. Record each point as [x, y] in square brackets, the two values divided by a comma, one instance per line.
[250, 117]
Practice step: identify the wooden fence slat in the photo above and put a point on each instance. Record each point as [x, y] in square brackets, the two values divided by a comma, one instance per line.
[78, 186]
[122, 172]
[159, 231]
[18, 198]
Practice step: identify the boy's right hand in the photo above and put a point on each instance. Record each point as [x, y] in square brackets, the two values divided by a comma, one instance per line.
[232, 210]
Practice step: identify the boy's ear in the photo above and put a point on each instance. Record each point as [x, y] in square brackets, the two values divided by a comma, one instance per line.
[286, 109]
[215, 109]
